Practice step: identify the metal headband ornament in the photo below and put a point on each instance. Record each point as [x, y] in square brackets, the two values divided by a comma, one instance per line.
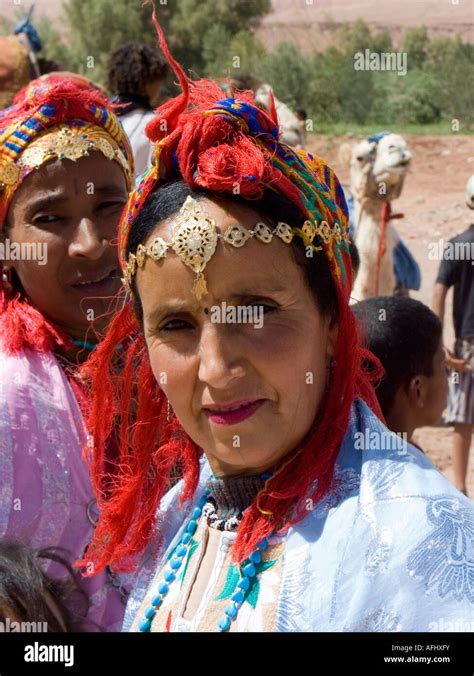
[195, 237]
[64, 142]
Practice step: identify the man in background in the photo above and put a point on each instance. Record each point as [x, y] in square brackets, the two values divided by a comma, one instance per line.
[458, 271]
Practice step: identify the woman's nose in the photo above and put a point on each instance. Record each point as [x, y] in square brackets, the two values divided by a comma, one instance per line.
[220, 362]
[87, 241]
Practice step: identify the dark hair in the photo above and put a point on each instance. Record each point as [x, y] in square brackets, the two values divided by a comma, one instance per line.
[405, 335]
[244, 81]
[168, 199]
[48, 66]
[355, 258]
[24, 587]
[133, 66]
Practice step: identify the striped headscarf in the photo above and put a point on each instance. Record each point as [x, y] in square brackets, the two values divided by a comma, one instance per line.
[53, 117]
[220, 157]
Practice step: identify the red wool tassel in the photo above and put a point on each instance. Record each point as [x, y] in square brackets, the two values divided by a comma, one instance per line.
[22, 326]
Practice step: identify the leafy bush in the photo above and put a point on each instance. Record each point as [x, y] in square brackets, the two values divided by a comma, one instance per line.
[216, 38]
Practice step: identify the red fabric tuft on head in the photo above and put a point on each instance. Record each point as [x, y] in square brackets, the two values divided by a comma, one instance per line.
[71, 101]
[218, 168]
[272, 108]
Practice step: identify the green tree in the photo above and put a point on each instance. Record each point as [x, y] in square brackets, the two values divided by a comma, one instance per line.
[354, 37]
[215, 50]
[415, 45]
[227, 56]
[54, 48]
[246, 53]
[199, 32]
[382, 42]
[415, 100]
[289, 73]
[453, 90]
[442, 49]
[323, 100]
[192, 24]
[97, 27]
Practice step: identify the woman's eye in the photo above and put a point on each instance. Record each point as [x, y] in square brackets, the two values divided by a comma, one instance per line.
[267, 308]
[47, 218]
[176, 325]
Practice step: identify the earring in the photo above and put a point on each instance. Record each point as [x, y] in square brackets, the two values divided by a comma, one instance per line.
[169, 411]
[6, 281]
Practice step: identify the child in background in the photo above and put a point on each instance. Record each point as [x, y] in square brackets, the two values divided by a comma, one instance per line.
[28, 595]
[135, 76]
[406, 336]
[458, 271]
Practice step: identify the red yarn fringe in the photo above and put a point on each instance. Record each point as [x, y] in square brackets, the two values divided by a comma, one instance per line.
[153, 452]
[22, 326]
[69, 99]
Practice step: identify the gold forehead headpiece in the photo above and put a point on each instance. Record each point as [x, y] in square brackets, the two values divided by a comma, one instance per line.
[194, 240]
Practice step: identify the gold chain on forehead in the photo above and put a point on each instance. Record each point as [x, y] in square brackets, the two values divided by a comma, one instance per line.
[194, 240]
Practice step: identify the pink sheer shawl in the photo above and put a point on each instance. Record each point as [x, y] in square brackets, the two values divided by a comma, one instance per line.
[46, 497]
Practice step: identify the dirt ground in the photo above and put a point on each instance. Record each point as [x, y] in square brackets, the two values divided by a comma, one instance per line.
[433, 204]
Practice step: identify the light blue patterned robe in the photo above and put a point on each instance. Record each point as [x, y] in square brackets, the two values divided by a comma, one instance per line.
[389, 548]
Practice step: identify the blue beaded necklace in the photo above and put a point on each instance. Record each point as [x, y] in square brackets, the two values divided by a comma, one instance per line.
[84, 344]
[245, 584]
[89, 346]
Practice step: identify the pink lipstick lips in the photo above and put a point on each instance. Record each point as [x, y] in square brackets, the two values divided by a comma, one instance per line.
[230, 414]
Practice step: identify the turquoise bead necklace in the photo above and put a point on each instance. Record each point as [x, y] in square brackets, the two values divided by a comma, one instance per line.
[84, 344]
[89, 346]
[245, 584]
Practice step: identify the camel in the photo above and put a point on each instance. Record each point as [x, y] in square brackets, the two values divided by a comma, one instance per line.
[292, 129]
[378, 167]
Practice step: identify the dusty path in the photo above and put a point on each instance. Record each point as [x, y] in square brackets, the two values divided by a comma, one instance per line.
[433, 204]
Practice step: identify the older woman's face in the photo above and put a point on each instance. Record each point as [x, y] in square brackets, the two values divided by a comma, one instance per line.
[247, 393]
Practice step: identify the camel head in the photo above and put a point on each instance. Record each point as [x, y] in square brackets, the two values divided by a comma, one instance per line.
[290, 126]
[378, 166]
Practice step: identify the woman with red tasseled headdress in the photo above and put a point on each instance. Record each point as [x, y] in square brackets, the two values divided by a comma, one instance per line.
[65, 171]
[297, 509]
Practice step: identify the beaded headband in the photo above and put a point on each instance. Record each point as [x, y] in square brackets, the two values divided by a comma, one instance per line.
[195, 237]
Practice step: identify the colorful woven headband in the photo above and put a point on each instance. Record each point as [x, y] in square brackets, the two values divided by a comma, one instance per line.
[180, 151]
[62, 120]
[321, 194]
